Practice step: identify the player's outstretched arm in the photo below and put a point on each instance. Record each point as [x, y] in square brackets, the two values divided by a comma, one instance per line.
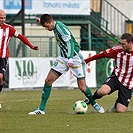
[96, 57]
[27, 42]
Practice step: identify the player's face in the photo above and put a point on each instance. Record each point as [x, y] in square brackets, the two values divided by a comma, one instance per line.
[49, 26]
[125, 45]
[2, 17]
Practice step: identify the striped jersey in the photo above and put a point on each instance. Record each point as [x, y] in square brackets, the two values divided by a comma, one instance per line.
[124, 64]
[66, 41]
[6, 33]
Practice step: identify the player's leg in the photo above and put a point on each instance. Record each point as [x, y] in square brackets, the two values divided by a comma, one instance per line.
[0, 96]
[1, 86]
[51, 77]
[108, 87]
[124, 97]
[56, 71]
[120, 108]
[87, 92]
[85, 89]
[3, 66]
[79, 72]
[1, 82]
[104, 90]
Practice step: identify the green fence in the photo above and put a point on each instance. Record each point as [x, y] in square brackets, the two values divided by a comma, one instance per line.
[48, 48]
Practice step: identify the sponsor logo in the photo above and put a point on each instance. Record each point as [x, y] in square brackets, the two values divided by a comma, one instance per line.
[17, 4]
[110, 67]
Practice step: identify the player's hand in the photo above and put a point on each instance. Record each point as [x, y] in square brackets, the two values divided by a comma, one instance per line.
[35, 48]
[70, 63]
[37, 19]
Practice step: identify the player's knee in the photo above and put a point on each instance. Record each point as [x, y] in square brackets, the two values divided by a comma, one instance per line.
[101, 92]
[120, 108]
[105, 89]
[48, 82]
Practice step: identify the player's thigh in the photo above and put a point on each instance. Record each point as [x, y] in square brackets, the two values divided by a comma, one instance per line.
[79, 70]
[124, 96]
[60, 65]
[3, 65]
[105, 89]
[51, 77]
[110, 85]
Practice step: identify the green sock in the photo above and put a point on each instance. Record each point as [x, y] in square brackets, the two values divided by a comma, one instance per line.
[88, 94]
[45, 95]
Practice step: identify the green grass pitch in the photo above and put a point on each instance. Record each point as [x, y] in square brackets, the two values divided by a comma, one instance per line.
[60, 117]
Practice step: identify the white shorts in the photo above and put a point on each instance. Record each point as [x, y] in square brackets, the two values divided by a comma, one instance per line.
[79, 70]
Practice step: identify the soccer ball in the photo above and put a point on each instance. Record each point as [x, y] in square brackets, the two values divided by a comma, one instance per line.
[80, 107]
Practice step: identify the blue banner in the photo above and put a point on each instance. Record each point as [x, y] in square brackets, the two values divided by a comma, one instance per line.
[17, 4]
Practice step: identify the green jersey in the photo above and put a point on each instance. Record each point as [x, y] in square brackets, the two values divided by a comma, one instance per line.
[66, 41]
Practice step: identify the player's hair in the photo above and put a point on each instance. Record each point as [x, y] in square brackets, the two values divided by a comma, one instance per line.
[128, 37]
[45, 18]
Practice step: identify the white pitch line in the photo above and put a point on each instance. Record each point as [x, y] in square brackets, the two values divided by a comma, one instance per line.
[21, 100]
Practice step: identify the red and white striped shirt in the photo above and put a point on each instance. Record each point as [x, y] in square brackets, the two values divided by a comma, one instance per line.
[124, 64]
[6, 33]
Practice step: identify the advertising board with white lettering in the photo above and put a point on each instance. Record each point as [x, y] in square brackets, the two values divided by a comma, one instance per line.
[31, 72]
[67, 7]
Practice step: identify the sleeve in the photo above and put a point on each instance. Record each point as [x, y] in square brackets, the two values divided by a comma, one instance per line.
[15, 33]
[70, 46]
[109, 53]
[66, 37]
[24, 40]
[95, 57]
[12, 31]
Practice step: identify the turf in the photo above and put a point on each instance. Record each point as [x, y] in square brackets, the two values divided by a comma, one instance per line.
[60, 117]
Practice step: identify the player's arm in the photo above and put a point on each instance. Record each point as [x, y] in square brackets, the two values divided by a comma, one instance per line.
[109, 53]
[70, 46]
[66, 36]
[21, 37]
[95, 57]
[26, 41]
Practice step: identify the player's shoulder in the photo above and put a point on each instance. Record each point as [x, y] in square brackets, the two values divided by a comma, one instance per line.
[117, 47]
[60, 24]
[7, 25]
[114, 49]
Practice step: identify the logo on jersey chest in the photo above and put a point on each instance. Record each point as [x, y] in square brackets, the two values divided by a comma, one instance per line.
[4, 33]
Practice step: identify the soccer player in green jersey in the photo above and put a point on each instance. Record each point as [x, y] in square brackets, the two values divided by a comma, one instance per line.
[70, 58]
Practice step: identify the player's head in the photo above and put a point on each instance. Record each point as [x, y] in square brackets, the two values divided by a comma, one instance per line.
[47, 21]
[2, 16]
[126, 41]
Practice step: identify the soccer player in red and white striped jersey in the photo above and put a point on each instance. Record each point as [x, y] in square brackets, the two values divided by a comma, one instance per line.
[6, 33]
[121, 78]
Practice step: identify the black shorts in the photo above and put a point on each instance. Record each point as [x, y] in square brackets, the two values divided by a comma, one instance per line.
[124, 94]
[3, 65]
